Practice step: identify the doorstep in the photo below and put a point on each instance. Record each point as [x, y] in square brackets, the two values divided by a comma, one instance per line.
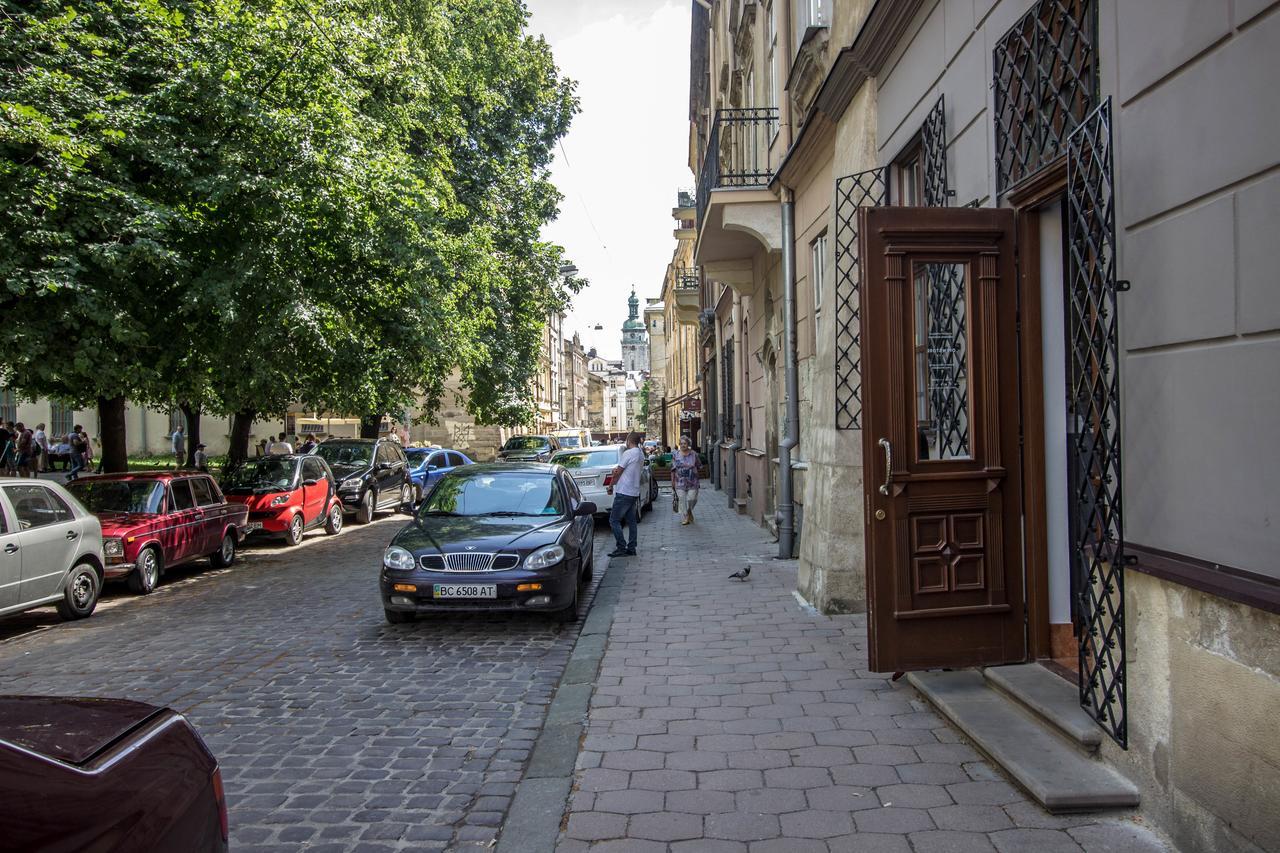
[1027, 724]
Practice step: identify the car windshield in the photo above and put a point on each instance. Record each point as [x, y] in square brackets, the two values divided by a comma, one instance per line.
[350, 453]
[496, 493]
[569, 441]
[263, 474]
[588, 459]
[525, 442]
[145, 496]
[417, 457]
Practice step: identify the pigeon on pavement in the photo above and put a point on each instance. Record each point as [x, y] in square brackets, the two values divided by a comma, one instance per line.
[742, 575]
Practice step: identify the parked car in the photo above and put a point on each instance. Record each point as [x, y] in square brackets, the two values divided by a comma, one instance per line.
[528, 448]
[592, 469]
[567, 439]
[50, 549]
[106, 774]
[427, 465]
[153, 521]
[372, 474]
[508, 536]
[286, 496]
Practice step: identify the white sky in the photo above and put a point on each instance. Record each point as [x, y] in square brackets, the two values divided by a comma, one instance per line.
[626, 151]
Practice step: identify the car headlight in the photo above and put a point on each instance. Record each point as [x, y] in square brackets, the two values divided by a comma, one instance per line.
[280, 500]
[396, 557]
[349, 486]
[544, 558]
[113, 547]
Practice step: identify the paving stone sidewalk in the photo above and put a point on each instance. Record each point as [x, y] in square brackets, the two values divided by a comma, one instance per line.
[730, 719]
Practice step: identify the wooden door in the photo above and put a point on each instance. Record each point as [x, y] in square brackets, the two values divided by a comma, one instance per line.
[940, 438]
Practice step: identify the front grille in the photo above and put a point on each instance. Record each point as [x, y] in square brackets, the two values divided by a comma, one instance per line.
[469, 561]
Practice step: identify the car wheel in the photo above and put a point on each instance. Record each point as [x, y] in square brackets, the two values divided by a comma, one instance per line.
[81, 594]
[406, 498]
[398, 617]
[333, 524]
[226, 553]
[639, 511]
[589, 570]
[293, 535]
[364, 514]
[417, 495]
[146, 572]
[570, 613]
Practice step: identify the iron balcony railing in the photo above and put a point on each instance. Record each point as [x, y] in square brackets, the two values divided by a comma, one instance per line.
[688, 279]
[737, 152]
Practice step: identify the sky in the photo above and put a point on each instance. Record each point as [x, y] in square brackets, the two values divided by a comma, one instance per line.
[625, 155]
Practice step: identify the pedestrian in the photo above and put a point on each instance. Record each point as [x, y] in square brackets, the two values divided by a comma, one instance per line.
[684, 478]
[76, 440]
[280, 447]
[625, 489]
[262, 447]
[308, 446]
[8, 449]
[42, 449]
[88, 451]
[201, 459]
[22, 450]
[179, 446]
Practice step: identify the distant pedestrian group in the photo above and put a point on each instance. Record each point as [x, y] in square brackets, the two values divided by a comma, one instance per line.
[28, 452]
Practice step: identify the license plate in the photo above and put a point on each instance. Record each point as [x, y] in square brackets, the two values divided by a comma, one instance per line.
[585, 479]
[252, 526]
[464, 590]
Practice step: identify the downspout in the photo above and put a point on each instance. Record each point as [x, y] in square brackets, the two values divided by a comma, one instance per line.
[786, 478]
[736, 443]
[718, 367]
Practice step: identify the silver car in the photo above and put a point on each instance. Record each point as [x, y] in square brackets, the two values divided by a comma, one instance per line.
[50, 549]
[590, 468]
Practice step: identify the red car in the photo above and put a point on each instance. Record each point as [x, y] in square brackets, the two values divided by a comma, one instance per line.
[106, 774]
[286, 495]
[156, 520]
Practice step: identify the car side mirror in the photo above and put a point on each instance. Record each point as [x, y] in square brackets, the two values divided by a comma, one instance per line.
[310, 482]
[585, 508]
[382, 466]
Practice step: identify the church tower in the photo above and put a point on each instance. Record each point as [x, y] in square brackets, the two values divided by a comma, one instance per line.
[635, 338]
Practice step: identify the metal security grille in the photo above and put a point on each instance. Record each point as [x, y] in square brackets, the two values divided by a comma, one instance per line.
[933, 154]
[864, 189]
[1046, 82]
[1093, 424]
[726, 377]
[459, 562]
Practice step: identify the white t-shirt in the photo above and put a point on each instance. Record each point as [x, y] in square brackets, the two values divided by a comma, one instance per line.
[280, 448]
[629, 483]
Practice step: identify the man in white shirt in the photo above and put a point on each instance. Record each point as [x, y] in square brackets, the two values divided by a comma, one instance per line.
[280, 447]
[179, 446]
[626, 496]
[41, 440]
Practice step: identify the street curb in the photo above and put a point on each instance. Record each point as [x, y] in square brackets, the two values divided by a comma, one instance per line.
[542, 795]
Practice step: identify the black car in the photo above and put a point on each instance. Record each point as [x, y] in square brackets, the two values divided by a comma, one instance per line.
[372, 474]
[511, 536]
[528, 448]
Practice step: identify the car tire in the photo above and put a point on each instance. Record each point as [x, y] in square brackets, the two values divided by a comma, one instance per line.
[368, 507]
[417, 495]
[398, 617]
[406, 498]
[589, 570]
[569, 614]
[225, 556]
[293, 533]
[80, 596]
[333, 524]
[146, 572]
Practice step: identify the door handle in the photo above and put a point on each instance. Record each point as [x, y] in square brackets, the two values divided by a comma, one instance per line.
[71, 534]
[11, 548]
[888, 466]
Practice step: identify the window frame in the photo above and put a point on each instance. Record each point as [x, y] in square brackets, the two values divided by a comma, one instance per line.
[818, 269]
[66, 515]
[909, 161]
[173, 490]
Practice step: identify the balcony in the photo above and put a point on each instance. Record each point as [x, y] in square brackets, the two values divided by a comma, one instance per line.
[735, 173]
[686, 290]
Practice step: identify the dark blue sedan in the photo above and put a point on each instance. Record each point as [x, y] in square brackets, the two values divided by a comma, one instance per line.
[428, 464]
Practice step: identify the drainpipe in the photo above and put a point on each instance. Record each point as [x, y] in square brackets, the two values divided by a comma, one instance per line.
[786, 502]
[736, 444]
[718, 383]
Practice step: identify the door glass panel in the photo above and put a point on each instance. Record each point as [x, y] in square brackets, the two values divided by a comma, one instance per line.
[941, 370]
[203, 491]
[36, 506]
[182, 495]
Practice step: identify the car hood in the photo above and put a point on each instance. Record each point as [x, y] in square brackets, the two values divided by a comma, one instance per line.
[69, 730]
[480, 533]
[344, 472]
[259, 499]
[124, 524]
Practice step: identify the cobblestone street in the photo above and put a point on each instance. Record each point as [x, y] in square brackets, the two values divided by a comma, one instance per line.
[729, 718]
[335, 731]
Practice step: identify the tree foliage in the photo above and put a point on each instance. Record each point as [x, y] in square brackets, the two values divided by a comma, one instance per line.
[243, 204]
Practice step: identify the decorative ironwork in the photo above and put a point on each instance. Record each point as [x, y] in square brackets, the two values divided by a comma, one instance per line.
[737, 152]
[726, 378]
[933, 156]
[864, 189]
[1093, 425]
[1046, 83]
[688, 278]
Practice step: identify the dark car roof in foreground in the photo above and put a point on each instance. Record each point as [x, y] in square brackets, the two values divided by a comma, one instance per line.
[72, 730]
[502, 468]
[163, 476]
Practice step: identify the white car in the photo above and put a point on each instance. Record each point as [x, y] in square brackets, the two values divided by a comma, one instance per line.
[591, 467]
[50, 549]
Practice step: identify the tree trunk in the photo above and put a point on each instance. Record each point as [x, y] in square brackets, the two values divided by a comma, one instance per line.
[369, 425]
[112, 447]
[238, 452]
[191, 414]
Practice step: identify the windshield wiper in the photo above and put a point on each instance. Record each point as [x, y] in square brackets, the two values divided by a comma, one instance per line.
[440, 512]
[505, 513]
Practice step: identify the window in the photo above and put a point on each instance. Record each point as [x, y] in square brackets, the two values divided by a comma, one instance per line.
[908, 178]
[8, 405]
[455, 460]
[36, 506]
[771, 77]
[175, 420]
[818, 255]
[182, 495]
[201, 487]
[312, 469]
[61, 419]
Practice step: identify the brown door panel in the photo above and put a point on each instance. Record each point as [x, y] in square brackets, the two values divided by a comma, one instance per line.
[940, 438]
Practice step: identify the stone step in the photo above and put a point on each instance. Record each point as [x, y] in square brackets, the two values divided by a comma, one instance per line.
[1051, 698]
[1057, 775]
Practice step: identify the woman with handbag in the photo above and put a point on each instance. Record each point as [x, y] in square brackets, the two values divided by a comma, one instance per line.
[684, 478]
